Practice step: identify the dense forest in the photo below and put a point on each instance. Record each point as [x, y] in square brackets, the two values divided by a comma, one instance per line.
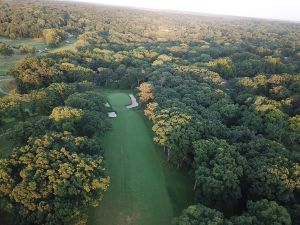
[222, 94]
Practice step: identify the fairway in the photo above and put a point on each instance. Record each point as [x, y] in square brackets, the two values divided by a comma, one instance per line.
[144, 189]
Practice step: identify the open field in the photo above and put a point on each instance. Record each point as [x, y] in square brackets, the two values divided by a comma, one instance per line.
[37, 43]
[144, 189]
[7, 62]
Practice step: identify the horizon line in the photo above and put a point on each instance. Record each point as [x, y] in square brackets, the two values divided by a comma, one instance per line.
[178, 11]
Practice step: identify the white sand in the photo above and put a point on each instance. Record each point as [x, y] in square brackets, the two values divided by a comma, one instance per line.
[112, 114]
[134, 102]
[107, 104]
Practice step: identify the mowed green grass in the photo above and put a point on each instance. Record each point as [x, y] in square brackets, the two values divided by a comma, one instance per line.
[37, 43]
[7, 62]
[144, 189]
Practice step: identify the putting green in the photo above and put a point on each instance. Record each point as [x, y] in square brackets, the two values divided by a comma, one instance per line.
[144, 189]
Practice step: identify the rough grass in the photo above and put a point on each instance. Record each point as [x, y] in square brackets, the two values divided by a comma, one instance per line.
[7, 62]
[144, 189]
[37, 43]
[66, 46]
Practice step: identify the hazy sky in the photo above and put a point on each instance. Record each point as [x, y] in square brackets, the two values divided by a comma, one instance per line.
[275, 9]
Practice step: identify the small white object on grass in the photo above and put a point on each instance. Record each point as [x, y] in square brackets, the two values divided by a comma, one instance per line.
[112, 114]
[107, 104]
[134, 102]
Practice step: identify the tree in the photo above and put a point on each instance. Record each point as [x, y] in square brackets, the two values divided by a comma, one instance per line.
[51, 185]
[200, 214]
[270, 173]
[6, 49]
[273, 177]
[23, 130]
[218, 170]
[89, 100]
[34, 73]
[223, 66]
[52, 140]
[53, 37]
[78, 121]
[180, 142]
[295, 123]
[146, 92]
[263, 212]
[25, 49]
[164, 123]
[66, 118]
[150, 110]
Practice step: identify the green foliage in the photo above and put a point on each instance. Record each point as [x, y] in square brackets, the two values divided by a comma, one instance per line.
[200, 214]
[223, 66]
[78, 121]
[43, 183]
[223, 97]
[89, 100]
[23, 130]
[41, 101]
[66, 118]
[34, 73]
[53, 37]
[219, 168]
[6, 49]
[25, 49]
[165, 121]
[263, 212]
[275, 178]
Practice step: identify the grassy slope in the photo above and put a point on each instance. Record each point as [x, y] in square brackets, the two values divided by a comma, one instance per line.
[144, 190]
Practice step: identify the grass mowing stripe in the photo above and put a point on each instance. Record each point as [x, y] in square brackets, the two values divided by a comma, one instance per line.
[143, 188]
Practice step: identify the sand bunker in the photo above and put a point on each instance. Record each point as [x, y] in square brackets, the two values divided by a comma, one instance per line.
[112, 114]
[134, 102]
[1, 90]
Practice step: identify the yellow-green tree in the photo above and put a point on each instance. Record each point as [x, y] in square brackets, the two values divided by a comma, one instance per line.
[164, 123]
[48, 184]
[53, 37]
[150, 110]
[146, 92]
